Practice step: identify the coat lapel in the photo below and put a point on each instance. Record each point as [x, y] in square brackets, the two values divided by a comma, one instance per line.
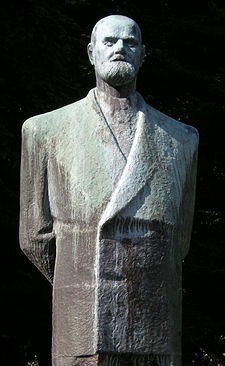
[141, 166]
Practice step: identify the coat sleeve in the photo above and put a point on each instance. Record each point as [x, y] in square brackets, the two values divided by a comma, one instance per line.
[188, 204]
[37, 239]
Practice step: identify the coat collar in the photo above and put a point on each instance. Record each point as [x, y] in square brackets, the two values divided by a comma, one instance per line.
[140, 165]
[157, 161]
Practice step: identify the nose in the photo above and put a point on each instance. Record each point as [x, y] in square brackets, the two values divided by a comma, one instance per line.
[119, 46]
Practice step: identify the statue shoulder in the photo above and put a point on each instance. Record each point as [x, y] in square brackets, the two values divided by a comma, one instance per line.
[184, 133]
[51, 122]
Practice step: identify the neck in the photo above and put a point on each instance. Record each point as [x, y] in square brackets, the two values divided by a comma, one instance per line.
[122, 91]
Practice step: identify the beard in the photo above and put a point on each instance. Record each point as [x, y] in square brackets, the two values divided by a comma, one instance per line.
[117, 73]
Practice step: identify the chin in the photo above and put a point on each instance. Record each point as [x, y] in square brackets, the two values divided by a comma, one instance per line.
[119, 73]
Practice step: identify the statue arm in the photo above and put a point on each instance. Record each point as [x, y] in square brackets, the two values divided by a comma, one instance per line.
[187, 210]
[37, 239]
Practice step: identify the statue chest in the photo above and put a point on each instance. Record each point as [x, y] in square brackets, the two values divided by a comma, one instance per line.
[83, 170]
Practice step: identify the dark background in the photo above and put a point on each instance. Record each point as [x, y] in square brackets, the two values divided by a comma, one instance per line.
[45, 66]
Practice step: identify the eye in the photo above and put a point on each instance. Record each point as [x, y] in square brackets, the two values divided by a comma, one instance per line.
[131, 43]
[108, 43]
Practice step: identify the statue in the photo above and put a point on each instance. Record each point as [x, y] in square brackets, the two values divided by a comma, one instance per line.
[107, 200]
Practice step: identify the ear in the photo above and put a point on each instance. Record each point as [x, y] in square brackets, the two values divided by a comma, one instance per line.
[142, 55]
[90, 53]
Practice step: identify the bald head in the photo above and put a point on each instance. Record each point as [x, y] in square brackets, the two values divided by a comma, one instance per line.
[116, 50]
[117, 21]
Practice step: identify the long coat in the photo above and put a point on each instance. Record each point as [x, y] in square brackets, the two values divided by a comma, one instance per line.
[110, 234]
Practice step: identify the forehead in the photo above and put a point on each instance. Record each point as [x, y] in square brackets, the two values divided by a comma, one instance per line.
[117, 28]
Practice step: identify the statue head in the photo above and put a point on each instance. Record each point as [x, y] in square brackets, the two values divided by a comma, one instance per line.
[116, 50]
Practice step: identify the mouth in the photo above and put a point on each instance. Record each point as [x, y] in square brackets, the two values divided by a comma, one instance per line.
[119, 58]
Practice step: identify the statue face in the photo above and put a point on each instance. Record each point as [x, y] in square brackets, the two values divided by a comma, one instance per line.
[116, 50]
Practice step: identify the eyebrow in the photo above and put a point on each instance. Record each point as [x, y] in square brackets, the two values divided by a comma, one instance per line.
[111, 38]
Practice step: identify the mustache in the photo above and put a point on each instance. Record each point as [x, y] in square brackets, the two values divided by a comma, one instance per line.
[119, 57]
